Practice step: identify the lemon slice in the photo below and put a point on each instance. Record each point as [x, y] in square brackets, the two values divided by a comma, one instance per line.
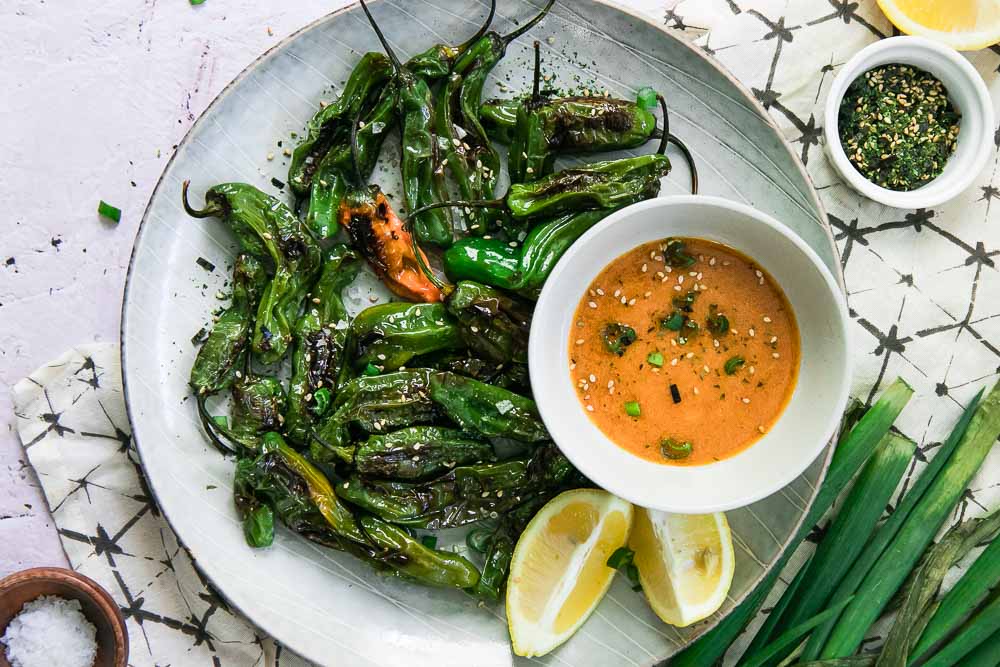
[559, 570]
[685, 563]
[965, 25]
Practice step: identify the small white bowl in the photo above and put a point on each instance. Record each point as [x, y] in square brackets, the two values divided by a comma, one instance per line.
[804, 428]
[967, 93]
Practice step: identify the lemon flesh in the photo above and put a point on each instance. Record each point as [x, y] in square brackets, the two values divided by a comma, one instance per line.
[966, 25]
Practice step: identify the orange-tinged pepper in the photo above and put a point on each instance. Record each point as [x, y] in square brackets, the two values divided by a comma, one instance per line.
[379, 234]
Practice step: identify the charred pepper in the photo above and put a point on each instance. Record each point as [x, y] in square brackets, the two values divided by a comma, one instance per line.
[389, 335]
[418, 452]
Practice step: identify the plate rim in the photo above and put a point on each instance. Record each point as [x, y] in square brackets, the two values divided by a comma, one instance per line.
[748, 96]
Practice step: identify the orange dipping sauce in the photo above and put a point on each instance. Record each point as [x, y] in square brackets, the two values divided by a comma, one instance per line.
[684, 351]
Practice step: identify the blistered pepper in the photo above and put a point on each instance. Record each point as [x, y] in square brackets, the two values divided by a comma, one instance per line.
[381, 237]
[389, 335]
[486, 410]
[294, 254]
[332, 123]
[418, 452]
[320, 337]
[494, 325]
[418, 145]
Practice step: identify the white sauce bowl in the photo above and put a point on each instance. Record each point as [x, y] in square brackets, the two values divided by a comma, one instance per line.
[812, 415]
[967, 93]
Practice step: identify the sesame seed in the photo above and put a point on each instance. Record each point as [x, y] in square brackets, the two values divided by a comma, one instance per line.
[270, 156]
[593, 293]
[455, 142]
[711, 262]
[579, 341]
[767, 319]
[593, 378]
[618, 293]
[590, 408]
[689, 355]
[696, 392]
[706, 369]
[746, 400]
[572, 366]
[530, 170]
[631, 302]
[624, 300]
[315, 299]
[673, 362]
[381, 357]
[644, 268]
[592, 304]
[659, 258]
[659, 274]
[760, 428]
[673, 342]
[611, 383]
[752, 370]
[775, 355]
[774, 339]
[474, 329]
[751, 332]
[715, 342]
[759, 274]
[726, 263]
[680, 280]
[677, 288]
[668, 269]
[692, 273]
[699, 275]
[600, 291]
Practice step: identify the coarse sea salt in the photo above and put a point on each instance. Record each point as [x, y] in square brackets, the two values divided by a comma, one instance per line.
[50, 631]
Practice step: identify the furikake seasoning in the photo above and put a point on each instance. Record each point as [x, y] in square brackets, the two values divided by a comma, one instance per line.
[898, 126]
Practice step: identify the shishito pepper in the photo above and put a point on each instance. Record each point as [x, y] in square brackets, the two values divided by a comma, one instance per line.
[344, 166]
[389, 335]
[486, 410]
[461, 496]
[373, 404]
[227, 342]
[381, 237]
[320, 337]
[436, 62]
[418, 452]
[522, 269]
[494, 325]
[332, 123]
[294, 254]
[418, 143]
[471, 158]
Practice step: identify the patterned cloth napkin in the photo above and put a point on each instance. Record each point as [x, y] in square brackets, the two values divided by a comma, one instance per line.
[923, 289]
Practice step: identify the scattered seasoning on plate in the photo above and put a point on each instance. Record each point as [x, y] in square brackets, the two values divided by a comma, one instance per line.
[898, 126]
[50, 631]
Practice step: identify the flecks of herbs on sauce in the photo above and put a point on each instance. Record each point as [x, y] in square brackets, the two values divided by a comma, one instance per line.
[684, 351]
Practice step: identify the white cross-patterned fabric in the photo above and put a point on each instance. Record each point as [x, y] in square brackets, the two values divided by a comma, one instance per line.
[923, 291]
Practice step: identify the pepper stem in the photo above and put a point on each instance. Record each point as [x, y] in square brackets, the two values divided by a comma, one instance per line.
[385, 43]
[537, 77]
[507, 39]
[666, 125]
[212, 429]
[206, 212]
[667, 138]
[482, 29]
[455, 203]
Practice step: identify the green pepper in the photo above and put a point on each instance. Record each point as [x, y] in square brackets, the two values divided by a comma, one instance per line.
[331, 124]
[436, 62]
[373, 404]
[599, 185]
[475, 67]
[389, 335]
[617, 337]
[523, 269]
[416, 105]
[342, 165]
[295, 256]
[418, 452]
[499, 117]
[258, 407]
[410, 559]
[464, 362]
[486, 410]
[464, 495]
[494, 325]
[320, 336]
[226, 344]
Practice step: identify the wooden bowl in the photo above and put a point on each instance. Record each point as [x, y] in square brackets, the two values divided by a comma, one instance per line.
[98, 606]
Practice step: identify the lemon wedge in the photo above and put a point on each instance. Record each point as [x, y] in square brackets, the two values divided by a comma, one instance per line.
[559, 570]
[965, 25]
[685, 563]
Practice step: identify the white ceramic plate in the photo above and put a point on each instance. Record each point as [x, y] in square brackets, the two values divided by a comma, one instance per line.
[322, 604]
[809, 419]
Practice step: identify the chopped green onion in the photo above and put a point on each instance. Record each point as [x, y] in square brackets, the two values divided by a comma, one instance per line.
[852, 452]
[674, 322]
[734, 364]
[632, 409]
[429, 541]
[321, 397]
[621, 560]
[108, 211]
[655, 359]
[717, 324]
[675, 254]
[221, 420]
[890, 570]
[372, 369]
[674, 450]
[197, 2]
